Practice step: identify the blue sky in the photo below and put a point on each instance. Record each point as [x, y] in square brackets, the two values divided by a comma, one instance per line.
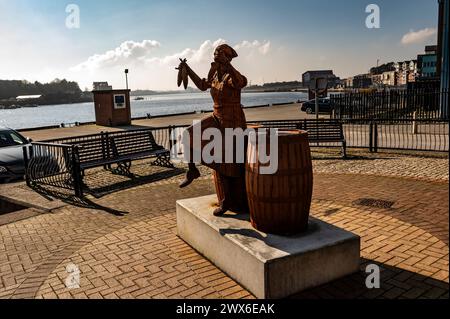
[276, 40]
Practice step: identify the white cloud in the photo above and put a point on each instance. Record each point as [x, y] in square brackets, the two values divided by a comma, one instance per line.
[128, 51]
[262, 48]
[203, 54]
[418, 36]
[148, 70]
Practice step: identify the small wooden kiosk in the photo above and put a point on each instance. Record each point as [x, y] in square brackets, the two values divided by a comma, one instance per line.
[112, 107]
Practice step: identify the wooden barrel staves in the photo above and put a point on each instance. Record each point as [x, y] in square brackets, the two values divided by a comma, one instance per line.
[280, 203]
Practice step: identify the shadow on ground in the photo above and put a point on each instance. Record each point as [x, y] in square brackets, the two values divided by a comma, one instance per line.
[100, 183]
[97, 185]
[52, 194]
[394, 283]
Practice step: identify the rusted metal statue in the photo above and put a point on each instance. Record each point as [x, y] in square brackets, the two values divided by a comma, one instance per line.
[225, 83]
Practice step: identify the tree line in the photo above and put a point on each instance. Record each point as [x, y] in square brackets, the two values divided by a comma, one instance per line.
[13, 88]
[55, 92]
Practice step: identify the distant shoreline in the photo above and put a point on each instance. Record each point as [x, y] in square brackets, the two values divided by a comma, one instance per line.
[153, 106]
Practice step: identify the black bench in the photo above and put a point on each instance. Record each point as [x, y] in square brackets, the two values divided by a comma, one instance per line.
[324, 131]
[120, 148]
[131, 146]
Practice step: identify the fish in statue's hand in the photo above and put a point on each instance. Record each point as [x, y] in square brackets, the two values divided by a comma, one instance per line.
[183, 74]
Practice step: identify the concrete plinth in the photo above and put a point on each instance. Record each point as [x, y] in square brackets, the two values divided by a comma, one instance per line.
[268, 266]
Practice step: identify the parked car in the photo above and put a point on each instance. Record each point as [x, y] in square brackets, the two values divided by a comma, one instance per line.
[11, 155]
[325, 106]
[12, 164]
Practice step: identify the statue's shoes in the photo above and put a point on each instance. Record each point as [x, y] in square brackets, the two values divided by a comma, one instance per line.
[220, 212]
[191, 175]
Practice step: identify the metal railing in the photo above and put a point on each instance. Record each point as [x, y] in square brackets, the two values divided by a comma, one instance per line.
[396, 134]
[53, 165]
[418, 135]
[391, 104]
[56, 163]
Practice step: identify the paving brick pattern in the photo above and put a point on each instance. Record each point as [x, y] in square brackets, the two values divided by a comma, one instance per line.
[415, 167]
[136, 254]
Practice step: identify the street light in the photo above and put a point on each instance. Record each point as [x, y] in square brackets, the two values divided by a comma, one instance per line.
[126, 76]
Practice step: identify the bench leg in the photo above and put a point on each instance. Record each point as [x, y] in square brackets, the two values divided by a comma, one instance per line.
[123, 168]
[163, 160]
[344, 149]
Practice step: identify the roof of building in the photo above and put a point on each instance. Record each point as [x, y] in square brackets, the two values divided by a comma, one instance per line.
[319, 71]
[431, 48]
[28, 97]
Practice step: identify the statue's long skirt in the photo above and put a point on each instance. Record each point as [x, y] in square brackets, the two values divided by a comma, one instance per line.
[225, 116]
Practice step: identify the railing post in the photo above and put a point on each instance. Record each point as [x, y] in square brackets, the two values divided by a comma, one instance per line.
[105, 147]
[375, 137]
[76, 172]
[171, 128]
[371, 137]
[26, 160]
[414, 123]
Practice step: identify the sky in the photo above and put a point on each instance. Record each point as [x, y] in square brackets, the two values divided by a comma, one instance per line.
[276, 40]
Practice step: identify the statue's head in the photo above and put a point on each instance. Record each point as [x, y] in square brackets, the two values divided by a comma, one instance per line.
[224, 54]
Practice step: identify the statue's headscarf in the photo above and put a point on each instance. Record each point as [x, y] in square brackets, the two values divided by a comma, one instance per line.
[229, 51]
[230, 54]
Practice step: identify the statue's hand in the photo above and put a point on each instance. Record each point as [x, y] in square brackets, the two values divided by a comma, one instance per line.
[183, 64]
[228, 68]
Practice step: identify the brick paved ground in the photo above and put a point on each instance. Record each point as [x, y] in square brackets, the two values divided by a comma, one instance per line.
[125, 243]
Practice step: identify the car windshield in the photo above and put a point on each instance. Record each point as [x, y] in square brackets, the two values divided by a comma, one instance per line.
[10, 138]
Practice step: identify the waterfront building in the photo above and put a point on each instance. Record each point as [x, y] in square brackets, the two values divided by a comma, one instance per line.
[407, 72]
[377, 79]
[389, 78]
[384, 75]
[28, 97]
[310, 76]
[427, 63]
[362, 81]
[348, 82]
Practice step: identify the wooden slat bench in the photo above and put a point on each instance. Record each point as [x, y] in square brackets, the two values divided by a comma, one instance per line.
[325, 131]
[127, 147]
[120, 148]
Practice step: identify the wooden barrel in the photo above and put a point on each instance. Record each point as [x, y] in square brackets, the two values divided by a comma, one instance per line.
[280, 203]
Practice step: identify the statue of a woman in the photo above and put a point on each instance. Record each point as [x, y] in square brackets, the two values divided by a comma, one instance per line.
[226, 84]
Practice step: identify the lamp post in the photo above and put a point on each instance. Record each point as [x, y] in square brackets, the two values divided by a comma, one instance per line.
[126, 76]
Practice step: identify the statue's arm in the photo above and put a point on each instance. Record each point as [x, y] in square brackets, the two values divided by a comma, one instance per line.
[237, 80]
[201, 84]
